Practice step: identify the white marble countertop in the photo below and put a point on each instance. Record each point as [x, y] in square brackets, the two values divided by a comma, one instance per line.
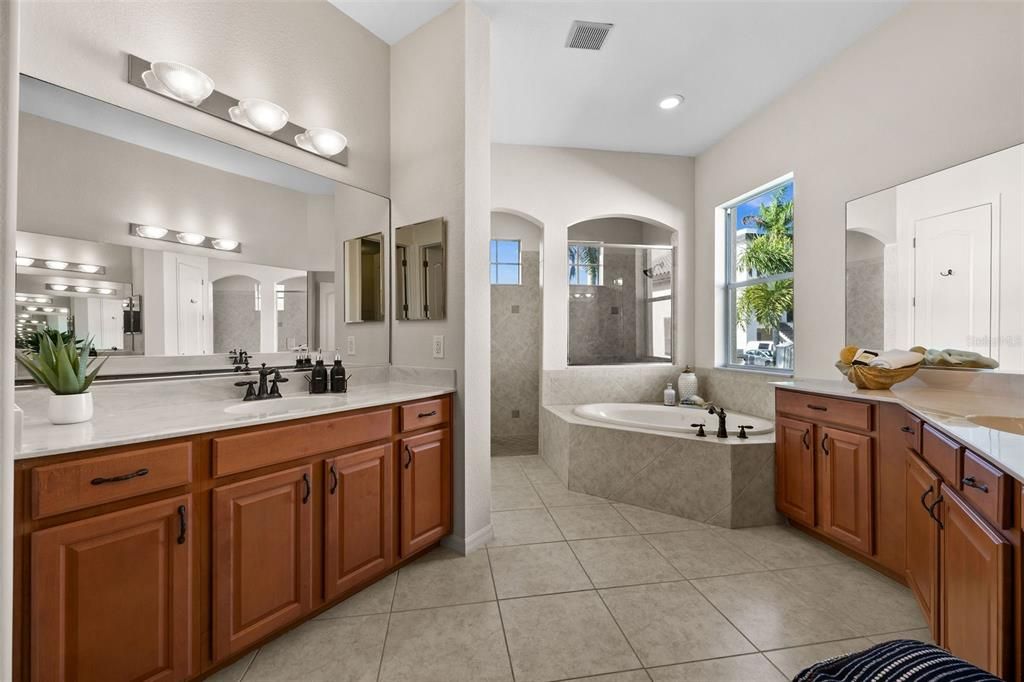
[134, 413]
[946, 410]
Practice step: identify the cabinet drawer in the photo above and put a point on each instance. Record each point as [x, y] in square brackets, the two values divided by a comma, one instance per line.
[941, 453]
[987, 489]
[856, 415]
[255, 449]
[81, 483]
[423, 414]
[912, 432]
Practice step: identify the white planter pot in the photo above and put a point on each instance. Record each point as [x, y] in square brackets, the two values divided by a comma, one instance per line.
[70, 409]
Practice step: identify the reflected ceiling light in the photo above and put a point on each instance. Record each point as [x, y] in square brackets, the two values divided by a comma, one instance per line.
[24, 262]
[24, 316]
[83, 290]
[91, 269]
[104, 291]
[179, 81]
[59, 287]
[41, 299]
[57, 264]
[20, 299]
[48, 310]
[62, 310]
[190, 238]
[671, 102]
[224, 244]
[31, 308]
[150, 231]
[259, 114]
[322, 141]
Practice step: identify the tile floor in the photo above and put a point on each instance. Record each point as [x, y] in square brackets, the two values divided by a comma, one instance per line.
[576, 587]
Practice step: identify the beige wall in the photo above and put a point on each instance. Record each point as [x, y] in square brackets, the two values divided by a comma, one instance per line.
[938, 84]
[313, 60]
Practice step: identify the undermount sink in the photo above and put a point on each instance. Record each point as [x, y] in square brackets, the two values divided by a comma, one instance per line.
[1008, 424]
[279, 405]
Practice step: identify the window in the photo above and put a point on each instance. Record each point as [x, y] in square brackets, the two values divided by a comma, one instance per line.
[586, 265]
[257, 297]
[759, 279]
[506, 262]
[279, 296]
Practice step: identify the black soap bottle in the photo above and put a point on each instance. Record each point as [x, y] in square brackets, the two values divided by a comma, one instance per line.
[339, 382]
[318, 379]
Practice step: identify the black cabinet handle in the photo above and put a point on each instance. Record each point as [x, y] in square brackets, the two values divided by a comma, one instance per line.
[309, 488]
[924, 496]
[931, 512]
[408, 457]
[972, 482]
[182, 525]
[824, 445]
[118, 479]
[424, 415]
[807, 439]
[907, 429]
[819, 408]
[334, 479]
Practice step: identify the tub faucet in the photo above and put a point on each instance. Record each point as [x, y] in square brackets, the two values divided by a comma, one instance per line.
[720, 413]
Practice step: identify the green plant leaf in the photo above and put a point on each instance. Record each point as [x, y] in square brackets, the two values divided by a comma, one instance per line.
[31, 364]
[67, 377]
[91, 376]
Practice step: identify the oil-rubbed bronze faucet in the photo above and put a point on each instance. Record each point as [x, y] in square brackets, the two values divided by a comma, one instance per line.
[720, 413]
[265, 392]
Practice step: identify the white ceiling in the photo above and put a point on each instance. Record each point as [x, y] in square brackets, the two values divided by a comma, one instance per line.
[729, 58]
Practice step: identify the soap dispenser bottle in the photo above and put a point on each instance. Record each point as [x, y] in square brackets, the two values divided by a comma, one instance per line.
[339, 382]
[318, 379]
[670, 395]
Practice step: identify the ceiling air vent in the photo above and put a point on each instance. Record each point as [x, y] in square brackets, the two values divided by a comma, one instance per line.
[587, 35]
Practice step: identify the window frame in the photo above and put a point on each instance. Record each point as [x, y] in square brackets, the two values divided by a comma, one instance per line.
[494, 264]
[732, 287]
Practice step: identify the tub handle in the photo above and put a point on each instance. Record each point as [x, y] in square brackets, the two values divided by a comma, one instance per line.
[700, 430]
[743, 430]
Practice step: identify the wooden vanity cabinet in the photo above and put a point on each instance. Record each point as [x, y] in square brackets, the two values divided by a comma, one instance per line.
[794, 469]
[426, 474]
[848, 514]
[923, 539]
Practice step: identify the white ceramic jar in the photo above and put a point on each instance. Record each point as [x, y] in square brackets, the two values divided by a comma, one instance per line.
[688, 385]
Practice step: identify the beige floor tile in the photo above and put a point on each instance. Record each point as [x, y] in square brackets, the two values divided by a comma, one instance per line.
[504, 498]
[505, 464]
[313, 651]
[557, 495]
[509, 476]
[591, 521]
[563, 635]
[235, 671]
[523, 527]
[529, 570]
[703, 553]
[673, 623]
[444, 578]
[782, 547]
[542, 475]
[770, 613]
[452, 643]
[630, 560]
[370, 600]
[631, 676]
[650, 521]
[867, 601]
[921, 635]
[792, 661]
[749, 668]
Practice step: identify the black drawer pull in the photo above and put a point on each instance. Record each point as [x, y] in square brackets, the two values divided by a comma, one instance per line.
[424, 415]
[182, 525]
[806, 439]
[309, 488]
[408, 456]
[334, 479]
[118, 479]
[907, 429]
[972, 482]
[819, 408]
[824, 445]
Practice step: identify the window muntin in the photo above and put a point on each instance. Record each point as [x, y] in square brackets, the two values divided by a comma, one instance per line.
[506, 261]
[759, 280]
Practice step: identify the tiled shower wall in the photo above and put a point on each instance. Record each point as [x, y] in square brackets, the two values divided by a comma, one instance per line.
[515, 360]
[603, 328]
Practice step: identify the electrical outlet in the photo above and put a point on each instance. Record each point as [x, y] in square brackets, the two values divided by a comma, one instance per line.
[351, 345]
[438, 348]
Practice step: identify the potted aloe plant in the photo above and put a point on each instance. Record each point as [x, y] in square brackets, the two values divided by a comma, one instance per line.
[63, 366]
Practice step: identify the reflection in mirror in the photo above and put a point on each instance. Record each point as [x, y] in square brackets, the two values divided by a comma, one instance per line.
[154, 240]
[364, 279]
[935, 262]
[620, 295]
[420, 270]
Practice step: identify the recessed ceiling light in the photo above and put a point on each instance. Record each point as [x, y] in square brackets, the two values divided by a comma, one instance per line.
[180, 81]
[191, 238]
[56, 264]
[24, 262]
[671, 102]
[259, 114]
[224, 244]
[150, 231]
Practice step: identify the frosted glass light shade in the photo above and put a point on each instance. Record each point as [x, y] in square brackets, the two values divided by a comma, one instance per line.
[56, 264]
[259, 114]
[151, 231]
[224, 244]
[59, 287]
[24, 262]
[322, 141]
[191, 238]
[83, 290]
[91, 269]
[180, 81]
[104, 291]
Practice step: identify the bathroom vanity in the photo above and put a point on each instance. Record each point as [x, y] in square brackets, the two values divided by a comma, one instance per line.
[170, 558]
[931, 500]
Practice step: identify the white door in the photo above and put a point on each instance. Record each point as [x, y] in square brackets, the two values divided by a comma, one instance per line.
[953, 280]
[327, 311]
[111, 324]
[190, 310]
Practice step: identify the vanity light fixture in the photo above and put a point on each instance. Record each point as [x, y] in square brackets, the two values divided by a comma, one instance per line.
[105, 292]
[259, 114]
[21, 298]
[24, 262]
[671, 102]
[83, 290]
[87, 268]
[42, 299]
[322, 141]
[48, 310]
[90, 269]
[24, 316]
[57, 264]
[31, 308]
[190, 238]
[187, 238]
[178, 81]
[224, 244]
[58, 287]
[150, 231]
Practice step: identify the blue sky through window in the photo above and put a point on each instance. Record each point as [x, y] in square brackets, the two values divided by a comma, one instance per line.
[752, 206]
[506, 261]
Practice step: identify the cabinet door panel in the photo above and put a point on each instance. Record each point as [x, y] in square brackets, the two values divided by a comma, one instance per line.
[426, 468]
[359, 518]
[262, 557]
[112, 596]
[975, 578]
[848, 495]
[794, 469]
[923, 539]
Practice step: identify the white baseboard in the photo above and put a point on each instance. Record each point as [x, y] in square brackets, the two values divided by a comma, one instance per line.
[469, 544]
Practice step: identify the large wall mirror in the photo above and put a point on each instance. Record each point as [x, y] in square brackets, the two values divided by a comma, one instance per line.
[157, 241]
[936, 262]
[421, 271]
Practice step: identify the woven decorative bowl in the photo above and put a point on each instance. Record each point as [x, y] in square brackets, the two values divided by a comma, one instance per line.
[876, 378]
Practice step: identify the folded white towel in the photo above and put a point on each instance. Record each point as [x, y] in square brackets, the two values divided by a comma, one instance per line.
[894, 359]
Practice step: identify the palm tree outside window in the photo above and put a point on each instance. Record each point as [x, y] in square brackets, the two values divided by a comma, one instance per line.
[586, 265]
